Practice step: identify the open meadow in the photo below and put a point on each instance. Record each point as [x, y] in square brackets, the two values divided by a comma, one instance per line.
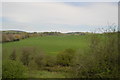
[50, 45]
[61, 56]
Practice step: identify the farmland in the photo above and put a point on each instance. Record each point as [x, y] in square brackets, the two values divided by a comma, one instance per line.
[59, 56]
[51, 45]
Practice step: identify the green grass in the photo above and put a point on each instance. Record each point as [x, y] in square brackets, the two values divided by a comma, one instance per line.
[49, 44]
[52, 45]
[44, 74]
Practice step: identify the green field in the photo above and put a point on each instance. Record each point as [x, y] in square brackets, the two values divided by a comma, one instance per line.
[49, 44]
[62, 56]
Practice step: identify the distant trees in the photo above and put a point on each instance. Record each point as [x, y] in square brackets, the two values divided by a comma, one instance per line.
[17, 37]
[4, 38]
[51, 33]
[9, 37]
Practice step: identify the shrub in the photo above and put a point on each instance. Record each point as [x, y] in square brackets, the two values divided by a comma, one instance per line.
[106, 54]
[10, 37]
[12, 69]
[17, 37]
[5, 38]
[102, 58]
[84, 64]
[50, 61]
[40, 59]
[13, 56]
[65, 58]
[26, 55]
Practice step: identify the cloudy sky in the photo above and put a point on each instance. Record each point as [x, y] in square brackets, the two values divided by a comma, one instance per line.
[58, 16]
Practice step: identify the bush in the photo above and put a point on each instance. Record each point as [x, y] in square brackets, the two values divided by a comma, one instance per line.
[106, 54]
[26, 56]
[17, 36]
[40, 59]
[10, 37]
[102, 58]
[12, 69]
[13, 56]
[4, 38]
[50, 61]
[65, 58]
[43, 60]
[7, 38]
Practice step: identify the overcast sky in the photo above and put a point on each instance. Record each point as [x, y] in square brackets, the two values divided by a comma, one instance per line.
[58, 16]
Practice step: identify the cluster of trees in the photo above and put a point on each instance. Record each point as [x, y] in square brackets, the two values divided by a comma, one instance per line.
[78, 33]
[51, 33]
[44, 34]
[13, 37]
[16, 36]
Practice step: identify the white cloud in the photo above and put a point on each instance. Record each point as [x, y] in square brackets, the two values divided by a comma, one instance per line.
[97, 14]
[60, 0]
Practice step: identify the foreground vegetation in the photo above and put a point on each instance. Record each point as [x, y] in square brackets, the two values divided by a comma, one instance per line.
[63, 56]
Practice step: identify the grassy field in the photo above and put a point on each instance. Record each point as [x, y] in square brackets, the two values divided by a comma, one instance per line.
[49, 44]
[61, 56]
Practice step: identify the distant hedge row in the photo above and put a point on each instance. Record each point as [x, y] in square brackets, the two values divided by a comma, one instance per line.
[13, 37]
[9, 37]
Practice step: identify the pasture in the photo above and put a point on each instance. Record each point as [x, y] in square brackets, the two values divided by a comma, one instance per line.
[61, 56]
[49, 44]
